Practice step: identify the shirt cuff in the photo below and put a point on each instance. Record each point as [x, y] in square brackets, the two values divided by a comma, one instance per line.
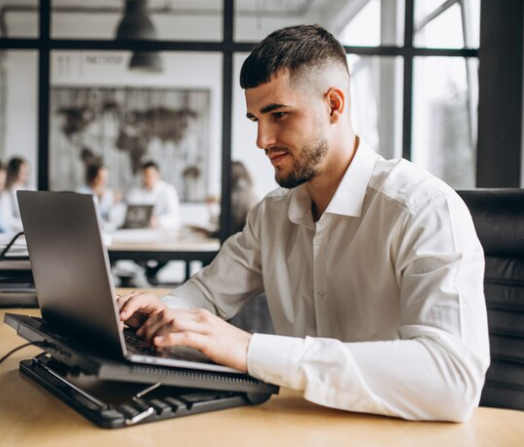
[187, 296]
[276, 359]
[175, 302]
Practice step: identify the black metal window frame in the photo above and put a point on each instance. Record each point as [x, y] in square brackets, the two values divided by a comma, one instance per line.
[44, 44]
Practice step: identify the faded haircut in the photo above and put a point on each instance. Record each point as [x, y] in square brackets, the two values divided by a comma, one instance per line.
[293, 48]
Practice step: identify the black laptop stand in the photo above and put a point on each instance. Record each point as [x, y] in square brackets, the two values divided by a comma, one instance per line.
[116, 393]
[123, 404]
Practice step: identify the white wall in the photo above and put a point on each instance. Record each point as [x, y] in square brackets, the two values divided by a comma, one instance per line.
[21, 108]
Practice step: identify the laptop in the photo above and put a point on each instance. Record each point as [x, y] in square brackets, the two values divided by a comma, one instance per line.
[74, 283]
[138, 216]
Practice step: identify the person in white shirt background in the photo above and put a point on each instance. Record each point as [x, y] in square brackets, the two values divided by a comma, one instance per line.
[96, 183]
[17, 178]
[372, 268]
[157, 192]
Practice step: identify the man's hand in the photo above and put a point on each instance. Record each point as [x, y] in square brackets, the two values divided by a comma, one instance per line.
[200, 329]
[137, 307]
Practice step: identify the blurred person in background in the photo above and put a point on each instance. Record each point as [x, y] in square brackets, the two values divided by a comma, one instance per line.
[157, 192]
[243, 197]
[96, 181]
[166, 211]
[17, 178]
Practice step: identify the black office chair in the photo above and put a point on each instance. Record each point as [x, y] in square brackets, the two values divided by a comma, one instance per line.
[498, 215]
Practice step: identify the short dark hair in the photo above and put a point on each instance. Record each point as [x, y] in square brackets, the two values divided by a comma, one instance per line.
[13, 170]
[291, 48]
[92, 171]
[150, 164]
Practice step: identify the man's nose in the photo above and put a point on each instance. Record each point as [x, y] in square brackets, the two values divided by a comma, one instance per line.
[266, 136]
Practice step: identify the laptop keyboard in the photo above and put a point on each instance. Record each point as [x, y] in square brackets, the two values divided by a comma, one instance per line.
[137, 343]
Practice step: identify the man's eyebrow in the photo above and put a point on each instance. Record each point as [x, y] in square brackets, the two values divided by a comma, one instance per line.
[267, 109]
[272, 107]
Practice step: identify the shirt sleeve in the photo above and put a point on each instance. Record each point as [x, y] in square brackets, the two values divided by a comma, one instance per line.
[234, 276]
[436, 369]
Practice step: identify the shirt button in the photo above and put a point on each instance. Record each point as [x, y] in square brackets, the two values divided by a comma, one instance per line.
[321, 293]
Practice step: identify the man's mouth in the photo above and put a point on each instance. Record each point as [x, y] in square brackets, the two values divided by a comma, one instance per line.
[277, 157]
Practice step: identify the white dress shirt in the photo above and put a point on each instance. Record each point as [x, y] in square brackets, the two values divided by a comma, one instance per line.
[10, 210]
[378, 306]
[165, 200]
[4, 226]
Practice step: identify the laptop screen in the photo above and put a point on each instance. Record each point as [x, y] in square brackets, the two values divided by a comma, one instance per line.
[71, 266]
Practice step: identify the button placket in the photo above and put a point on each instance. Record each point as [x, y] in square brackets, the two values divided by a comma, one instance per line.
[319, 279]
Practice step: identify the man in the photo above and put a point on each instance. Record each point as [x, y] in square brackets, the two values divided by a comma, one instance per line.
[372, 269]
[157, 192]
[17, 178]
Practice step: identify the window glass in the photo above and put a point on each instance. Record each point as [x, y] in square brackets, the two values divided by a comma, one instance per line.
[373, 23]
[362, 22]
[441, 24]
[101, 110]
[19, 18]
[139, 19]
[376, 106]
[255, 19]
[18, 108]
[445, 101]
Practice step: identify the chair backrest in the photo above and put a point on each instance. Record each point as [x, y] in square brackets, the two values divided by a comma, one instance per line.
[498, 215]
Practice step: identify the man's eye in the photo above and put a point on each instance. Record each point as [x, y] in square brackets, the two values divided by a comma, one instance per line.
[279, 115]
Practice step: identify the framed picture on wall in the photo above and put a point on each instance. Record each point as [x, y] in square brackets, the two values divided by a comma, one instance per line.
[122, 128]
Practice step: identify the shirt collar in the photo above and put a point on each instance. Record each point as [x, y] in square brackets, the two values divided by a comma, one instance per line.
[349, 195]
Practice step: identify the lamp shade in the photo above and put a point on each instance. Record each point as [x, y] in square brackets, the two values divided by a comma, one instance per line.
[136, 25]
[146, 61]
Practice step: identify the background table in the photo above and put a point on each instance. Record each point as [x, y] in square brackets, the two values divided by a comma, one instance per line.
[30, 416]
[163, 246]
[134, 245]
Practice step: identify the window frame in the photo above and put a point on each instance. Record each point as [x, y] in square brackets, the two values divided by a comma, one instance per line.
[507, 79]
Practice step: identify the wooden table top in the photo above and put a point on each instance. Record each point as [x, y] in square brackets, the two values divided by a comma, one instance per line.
[30, 416]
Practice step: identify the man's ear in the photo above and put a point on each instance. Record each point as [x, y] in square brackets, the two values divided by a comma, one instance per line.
[336, 100]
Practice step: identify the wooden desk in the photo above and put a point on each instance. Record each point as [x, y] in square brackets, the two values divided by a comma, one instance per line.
[30, 416]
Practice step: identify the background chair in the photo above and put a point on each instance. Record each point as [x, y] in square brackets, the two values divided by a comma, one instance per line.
[498, 215]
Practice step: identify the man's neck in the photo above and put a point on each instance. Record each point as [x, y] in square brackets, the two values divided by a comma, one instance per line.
[323, 187]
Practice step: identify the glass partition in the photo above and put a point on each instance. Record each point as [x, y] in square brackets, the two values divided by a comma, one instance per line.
[445, 102]
[137, 19]
[101, 110]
